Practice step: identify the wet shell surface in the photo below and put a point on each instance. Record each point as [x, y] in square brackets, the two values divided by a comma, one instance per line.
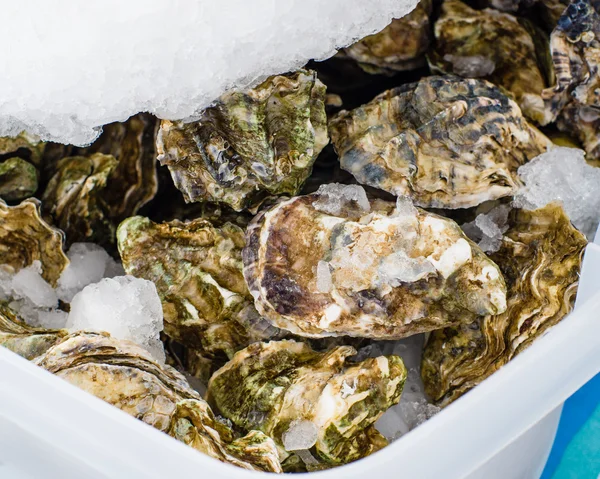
[446, 142]
[332, 263]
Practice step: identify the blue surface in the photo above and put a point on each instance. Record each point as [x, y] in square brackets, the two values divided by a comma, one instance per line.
[576, 450]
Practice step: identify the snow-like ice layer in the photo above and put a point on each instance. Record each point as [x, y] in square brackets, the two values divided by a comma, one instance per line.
[126, 307]
[335, 197]
[70, 67]
[562, 174]
[413, 408]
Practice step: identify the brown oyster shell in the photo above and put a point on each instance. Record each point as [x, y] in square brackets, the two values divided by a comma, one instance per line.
[125, 375]
[495, 46]
[25, 237]
[290, 243]
[540, 257]
[278, 386]
[446, 142]
[399, 46]
[250, 144]
[18, 179]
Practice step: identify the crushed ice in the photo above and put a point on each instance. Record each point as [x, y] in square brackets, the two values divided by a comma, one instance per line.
[300, 435]
[334, 198]
[488, 228]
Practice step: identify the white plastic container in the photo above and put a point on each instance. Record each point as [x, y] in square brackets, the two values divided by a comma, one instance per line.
[502, 429]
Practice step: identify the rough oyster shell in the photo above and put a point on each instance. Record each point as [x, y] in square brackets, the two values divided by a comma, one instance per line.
[126, 376]
[250, 144]
[18, 179]
[446, 142]
[26, 237]
[307, 400]
[22, 146]
[540, 257]
[197, 270]
[23, 339]
[322, 265]
[495, 46]
[399, 46]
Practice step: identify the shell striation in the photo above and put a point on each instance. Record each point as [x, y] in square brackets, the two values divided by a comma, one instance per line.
[540, 257]
[309, 401]
[447, 142]
[251, 144]
[332, 264]
[25, 237]
[125, 375]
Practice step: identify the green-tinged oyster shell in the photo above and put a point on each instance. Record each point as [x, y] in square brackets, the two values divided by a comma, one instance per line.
[492, 45]
[399, 46]
[24, 146]
[197, 270]
[26, 237]
[250, 144]
[540, 257]
[446, 142]
[23, 339]
[125, 375]
[18, 179]
[91, 190]
[285, 387]
[367, 270]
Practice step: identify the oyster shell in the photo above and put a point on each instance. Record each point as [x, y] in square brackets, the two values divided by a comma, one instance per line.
[399, 46]
[23, 339]
[126, 376]
[18, 179]
[446, 142]
[331, 264]
[540, 257]
[24, 146]
[26, 237]
[250, 144]
[197, 270]
[495, 46]
[307, 400]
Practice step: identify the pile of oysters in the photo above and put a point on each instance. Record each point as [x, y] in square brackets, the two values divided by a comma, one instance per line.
[294, 224]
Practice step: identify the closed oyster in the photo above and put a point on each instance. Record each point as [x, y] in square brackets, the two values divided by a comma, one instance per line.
[93, 189]
[126, 376]
[446, 142]
[399, 46]
[23, 339]
[18, 179]
[540, 257]
[495, 46]
[250, 144]
[331, 264]
[24, 146]
[25, 237]
[197, 270]
[309, 401]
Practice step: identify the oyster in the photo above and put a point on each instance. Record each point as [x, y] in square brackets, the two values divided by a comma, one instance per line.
[331, 264]
[126, 376]
[24, 146]
[25, 237]
[250, 144]
[495, 46]
[446, 142]
[540, 257]
[197, 270]
[18, 179]
[91, 190]
[23, 339]
[309, 401]
[399, 46]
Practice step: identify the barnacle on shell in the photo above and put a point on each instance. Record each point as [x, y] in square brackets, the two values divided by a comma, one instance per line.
[399, 46]
[447, 142]
[492, 45]
[309, 401]
[125, 375]
[197, 270]
[332, 264]
[25, 237]
[540, 258]
[251, 144]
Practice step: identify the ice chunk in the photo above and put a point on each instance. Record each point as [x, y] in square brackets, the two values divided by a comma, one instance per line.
[52, 319]
[399, 268]
[488, 228]
[324, 282]
[335, 197]
[170, 59]
[405, 207]
[89, 263]
[126, 307]
[28, 283]
[562, 174]
[300, 435]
